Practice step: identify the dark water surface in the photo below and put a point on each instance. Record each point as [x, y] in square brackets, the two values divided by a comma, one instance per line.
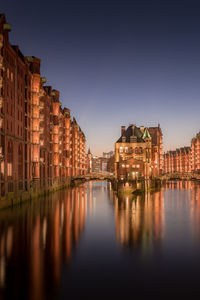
[87, 243]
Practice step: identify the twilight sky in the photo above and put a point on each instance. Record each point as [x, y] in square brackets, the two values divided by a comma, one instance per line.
[117, 62]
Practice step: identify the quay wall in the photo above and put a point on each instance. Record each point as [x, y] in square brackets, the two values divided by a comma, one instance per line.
[36, 189]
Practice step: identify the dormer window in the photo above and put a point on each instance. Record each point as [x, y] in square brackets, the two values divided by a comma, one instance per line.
[133, 139]
[123, 139]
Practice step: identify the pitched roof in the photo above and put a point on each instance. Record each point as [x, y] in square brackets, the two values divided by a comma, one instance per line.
[133, 131]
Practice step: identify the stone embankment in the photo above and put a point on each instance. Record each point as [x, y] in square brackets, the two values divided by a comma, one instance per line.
[40, 188]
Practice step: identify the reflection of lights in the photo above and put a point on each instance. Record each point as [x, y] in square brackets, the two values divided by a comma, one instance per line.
[44, 232]
[62, 215]
[9, 241]
[2, 271]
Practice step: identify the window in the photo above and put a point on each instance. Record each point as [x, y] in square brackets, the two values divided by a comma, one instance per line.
[9, 169]
[123, 166]
[120, 149]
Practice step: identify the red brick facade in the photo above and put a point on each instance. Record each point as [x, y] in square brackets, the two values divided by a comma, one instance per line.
[184, 160]
[178, 161]
[138, 153]
[195, 154]
[39, 143]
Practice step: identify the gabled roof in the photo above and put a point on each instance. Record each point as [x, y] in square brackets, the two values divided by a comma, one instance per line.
[133, 131]
[146, 134]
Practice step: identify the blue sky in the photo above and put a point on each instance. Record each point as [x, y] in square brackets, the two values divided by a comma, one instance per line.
[117, 62]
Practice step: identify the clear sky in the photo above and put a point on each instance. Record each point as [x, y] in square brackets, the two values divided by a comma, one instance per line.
[117, 62]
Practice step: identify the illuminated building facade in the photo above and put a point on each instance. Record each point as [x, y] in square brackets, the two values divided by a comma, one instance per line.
[195, 154]
[40, 146]
[138, 153]
[185, 159]
[178, 161]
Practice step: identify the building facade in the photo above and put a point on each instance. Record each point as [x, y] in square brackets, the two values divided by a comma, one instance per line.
[178, 161]
[195, 154]
[40, 145]
[138, 154]
[185, 159]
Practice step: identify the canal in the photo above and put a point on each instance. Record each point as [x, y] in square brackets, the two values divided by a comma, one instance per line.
[87, 242]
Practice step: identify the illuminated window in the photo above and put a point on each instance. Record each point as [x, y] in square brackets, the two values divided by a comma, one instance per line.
[9, 169]
[123, 166]
[127, 166]
[120, 149]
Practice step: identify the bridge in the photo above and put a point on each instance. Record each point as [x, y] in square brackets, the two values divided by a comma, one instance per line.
[93, 176]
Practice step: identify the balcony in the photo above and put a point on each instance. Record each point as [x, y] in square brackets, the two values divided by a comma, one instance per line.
[41, 124]
[41, 130]
[41, 104]
[1, 123]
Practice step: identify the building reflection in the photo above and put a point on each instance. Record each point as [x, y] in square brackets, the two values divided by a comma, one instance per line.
[139, 220]
[188, 196]
[38, 240]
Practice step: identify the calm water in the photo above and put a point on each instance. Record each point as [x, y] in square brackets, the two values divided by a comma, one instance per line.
[87, 242]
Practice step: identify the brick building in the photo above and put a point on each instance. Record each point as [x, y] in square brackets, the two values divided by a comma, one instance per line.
[195, 154]
[178, 161]
[138, 153]
[40, 146]
[185, 159]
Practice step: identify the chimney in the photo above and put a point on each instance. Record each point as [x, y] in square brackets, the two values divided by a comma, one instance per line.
[123, 128]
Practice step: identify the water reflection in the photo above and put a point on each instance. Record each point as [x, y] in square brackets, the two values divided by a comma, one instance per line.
[37, 239]
[73, 244]
[140, 220]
